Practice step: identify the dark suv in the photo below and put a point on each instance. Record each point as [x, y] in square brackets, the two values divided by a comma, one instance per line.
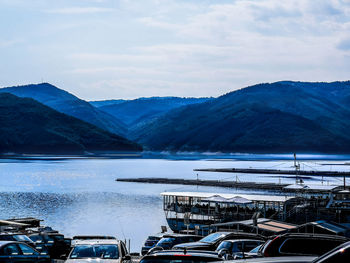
[55, 244]
[170, 240]
[150, 242]
[300, 244]
[211, 242]
[17, 237]
[171, 256]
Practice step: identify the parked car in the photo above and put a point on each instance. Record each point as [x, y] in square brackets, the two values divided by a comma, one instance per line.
[150, 242]
[232, 249]
[99, 250]
[287, 259]
[76, 239]
[171, 256]
[300, 244]
[170, 240]
[212, 241]
[340, 254]
[17, 237]
[55, 244]
[250, 254]
[12, 251]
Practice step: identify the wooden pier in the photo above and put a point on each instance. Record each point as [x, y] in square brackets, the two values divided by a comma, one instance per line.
[274, 171]
[215, 183]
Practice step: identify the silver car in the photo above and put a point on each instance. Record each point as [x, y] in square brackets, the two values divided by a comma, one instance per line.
[99, 251]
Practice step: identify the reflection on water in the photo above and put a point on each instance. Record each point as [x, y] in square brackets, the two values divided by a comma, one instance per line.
[81, 196]
[101, 213]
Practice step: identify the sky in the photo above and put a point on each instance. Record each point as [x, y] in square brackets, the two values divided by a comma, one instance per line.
[110, 49]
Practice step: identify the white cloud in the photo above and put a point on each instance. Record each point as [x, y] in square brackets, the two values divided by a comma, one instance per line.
[176, 47]
[78, 10]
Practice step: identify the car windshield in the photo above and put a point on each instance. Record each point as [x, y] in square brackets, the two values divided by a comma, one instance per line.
[22, 238]
[224, 245]
[212, 238]
[166, 240]
[95, 251]
[255, 250]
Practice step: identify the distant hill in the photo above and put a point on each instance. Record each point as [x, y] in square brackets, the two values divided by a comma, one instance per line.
[69, 104]
[278, 117]
[100, 103]
[27, 126]
[140, 111]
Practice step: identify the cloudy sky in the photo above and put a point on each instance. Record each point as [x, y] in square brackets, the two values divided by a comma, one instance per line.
[102, 49]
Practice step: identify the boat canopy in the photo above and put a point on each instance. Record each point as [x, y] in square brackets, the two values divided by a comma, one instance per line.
[230, 198]
[313, 187]
[220, 199]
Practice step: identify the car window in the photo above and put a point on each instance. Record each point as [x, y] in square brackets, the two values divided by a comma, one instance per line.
[238, 247]
[26, 250]
[11, 249]
[307, 246]
[225, 245]
[22, 238]
[36, 238]
[95, 251]
[256, 249]
[249, 245]
[212, 238]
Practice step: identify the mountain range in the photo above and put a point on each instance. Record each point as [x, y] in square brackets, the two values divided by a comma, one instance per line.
[284, 116]
[143, 110]
[27, 126]
[69, 104]
[278, 117]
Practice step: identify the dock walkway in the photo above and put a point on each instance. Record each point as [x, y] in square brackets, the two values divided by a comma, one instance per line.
[216, 183]
[275, 171]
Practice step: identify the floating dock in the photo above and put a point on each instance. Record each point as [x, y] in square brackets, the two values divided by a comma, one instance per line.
[215, 183]
[274, 171]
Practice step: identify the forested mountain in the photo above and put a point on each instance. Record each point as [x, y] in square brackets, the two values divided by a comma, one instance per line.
[278, 117]
[140, 111]
[69, 104]
[27, 126]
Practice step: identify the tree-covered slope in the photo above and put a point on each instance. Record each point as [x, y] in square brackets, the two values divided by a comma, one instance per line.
[27, 126]
[142, 110]
[69, 104]
[277, 117]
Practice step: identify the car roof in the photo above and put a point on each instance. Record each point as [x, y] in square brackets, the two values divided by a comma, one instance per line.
[198, 253]
[97, 242]
[286, 259]
[314, 235]
[180, 235]
[3, 242]
[246, 239]
[10, 234]
[89, 237]
[334, 251]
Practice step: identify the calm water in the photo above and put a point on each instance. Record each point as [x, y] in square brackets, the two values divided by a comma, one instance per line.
[81, 196]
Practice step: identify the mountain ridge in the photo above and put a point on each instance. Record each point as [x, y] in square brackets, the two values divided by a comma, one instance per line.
[69, 104]
[28, 126]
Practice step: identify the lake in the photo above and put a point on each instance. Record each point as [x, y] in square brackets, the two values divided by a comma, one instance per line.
[81, 196]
